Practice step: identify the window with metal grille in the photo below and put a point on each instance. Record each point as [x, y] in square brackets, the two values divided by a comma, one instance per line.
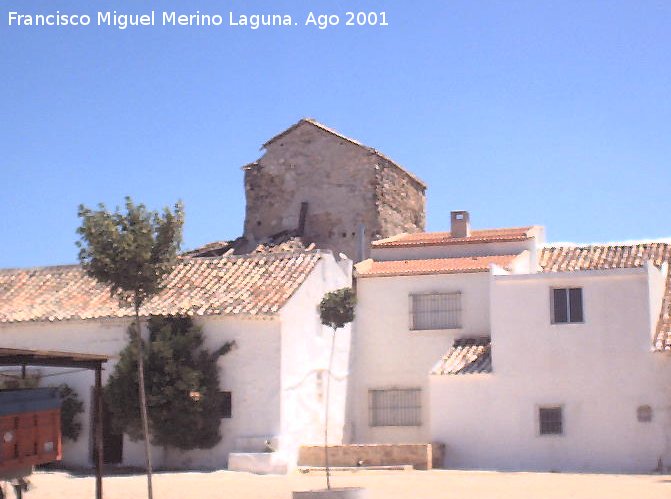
[435, 311]
[550, 421]
[396, 407]
[566, 305]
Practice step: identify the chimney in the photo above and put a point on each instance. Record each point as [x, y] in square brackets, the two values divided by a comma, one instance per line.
[461, 226]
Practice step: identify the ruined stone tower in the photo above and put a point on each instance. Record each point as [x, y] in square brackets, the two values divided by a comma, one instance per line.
[330, 190]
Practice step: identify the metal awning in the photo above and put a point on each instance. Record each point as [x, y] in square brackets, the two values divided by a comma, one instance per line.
[51, 358]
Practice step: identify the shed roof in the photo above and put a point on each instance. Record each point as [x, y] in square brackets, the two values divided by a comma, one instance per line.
[250, 285]
[18, 357]
[467, 356]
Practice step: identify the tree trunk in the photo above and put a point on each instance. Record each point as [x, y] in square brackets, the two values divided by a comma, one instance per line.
[143, 401]
[326, 415]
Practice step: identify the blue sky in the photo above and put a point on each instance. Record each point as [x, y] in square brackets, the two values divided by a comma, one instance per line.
[523, 112]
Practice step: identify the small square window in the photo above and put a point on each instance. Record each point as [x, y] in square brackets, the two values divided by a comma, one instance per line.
[550, 421]
[567, 305]
[644, 414]
[225, 405]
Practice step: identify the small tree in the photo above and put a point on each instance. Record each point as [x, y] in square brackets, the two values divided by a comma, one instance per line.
[335, 310]
[131, 252]
[71, 407]
[182, 387]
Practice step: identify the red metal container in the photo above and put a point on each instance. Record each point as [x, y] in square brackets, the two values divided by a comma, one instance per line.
[30, 428]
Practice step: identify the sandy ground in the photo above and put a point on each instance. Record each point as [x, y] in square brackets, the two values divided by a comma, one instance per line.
[381, 484]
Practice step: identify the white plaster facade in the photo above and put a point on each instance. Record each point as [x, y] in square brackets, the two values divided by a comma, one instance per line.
[271, 374]
[599, 371]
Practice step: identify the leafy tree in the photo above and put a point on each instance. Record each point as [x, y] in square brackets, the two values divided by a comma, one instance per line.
[71, 407]
[182, 387]
[131, 252]
[335, 310]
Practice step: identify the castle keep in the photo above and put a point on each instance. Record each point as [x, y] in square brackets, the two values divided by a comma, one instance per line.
[330, 190]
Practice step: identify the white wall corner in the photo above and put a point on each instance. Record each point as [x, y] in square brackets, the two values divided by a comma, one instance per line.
[656, 278]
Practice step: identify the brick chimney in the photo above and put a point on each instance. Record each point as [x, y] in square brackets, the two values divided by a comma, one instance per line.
[461, 226]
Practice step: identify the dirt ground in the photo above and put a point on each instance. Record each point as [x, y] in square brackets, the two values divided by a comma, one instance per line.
[381, 484]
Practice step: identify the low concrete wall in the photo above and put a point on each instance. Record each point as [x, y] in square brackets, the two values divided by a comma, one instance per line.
[262, 463]
[420, 456]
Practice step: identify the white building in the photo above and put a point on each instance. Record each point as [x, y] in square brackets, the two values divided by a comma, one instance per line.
[540, 357]
[266, 303]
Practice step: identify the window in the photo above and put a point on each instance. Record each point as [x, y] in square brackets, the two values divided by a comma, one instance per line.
[435, 311]
[550, 421]
[566, 305]
[644, 414]
[225, 405]
[396, 407]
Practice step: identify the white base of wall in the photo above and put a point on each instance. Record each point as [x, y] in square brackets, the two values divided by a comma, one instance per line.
[263, 463]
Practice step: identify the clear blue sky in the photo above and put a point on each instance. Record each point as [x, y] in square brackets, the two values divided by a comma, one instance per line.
[536, 112]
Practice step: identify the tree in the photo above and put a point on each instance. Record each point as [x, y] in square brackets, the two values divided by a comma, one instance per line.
[131, 252]
[182, 387]
[335, 310]
[71, 407]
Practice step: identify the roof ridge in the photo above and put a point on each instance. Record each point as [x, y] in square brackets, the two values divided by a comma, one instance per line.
[614, 244]
[72, 266]
[63, 266]
[277, 255]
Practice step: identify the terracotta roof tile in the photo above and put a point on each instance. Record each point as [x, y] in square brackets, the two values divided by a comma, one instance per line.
[467, 356]
[616, 256]
[253, 285]
[445, 238]
[372, 268]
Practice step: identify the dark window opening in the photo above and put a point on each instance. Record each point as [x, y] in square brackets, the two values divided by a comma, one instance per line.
[567, 305]
[550, 421]
[225, 405]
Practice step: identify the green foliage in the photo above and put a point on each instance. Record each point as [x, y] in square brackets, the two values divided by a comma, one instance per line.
[71, 407]
[182, 387]
[337, 308]
[131, 251]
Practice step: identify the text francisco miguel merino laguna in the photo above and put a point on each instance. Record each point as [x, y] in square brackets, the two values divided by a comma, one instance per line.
[161, 18]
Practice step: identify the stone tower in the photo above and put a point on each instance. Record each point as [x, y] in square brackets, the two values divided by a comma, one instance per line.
[330, 190]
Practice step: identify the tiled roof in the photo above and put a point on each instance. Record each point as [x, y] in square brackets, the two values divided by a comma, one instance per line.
[253, 285]
[371, 150]
[445, 238]
[467, 356]
[615, 256]
[371, 268]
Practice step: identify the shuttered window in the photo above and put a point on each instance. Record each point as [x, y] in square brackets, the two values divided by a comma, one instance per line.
[435, 311]
[396, 407]
[567, 305]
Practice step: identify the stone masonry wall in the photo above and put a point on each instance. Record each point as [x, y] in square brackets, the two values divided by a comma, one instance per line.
[420, 456]
[401, 201]
[344, 184]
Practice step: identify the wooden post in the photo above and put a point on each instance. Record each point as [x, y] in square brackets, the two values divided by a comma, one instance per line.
[98, 422]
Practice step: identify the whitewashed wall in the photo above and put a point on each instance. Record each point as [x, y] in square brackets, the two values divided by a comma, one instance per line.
[600, 372]
[387, 354]
[306, 345]
[251, 372]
